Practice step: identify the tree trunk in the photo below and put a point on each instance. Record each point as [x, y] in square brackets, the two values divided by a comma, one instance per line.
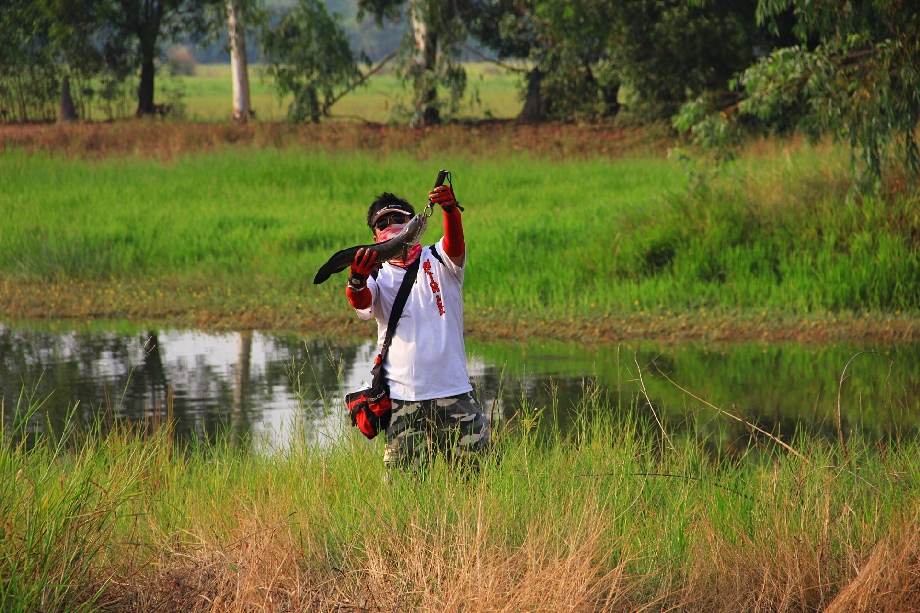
[534, 110]
[67, 111]
[243, 372]
[154, 373]
[611, 94]
[239, 69]
[145, 104]
[426, 55]
[241, 382]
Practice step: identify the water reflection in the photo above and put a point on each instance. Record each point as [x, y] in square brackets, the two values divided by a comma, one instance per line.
[263, 386]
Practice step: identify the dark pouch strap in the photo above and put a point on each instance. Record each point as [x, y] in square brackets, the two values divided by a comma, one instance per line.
[402, 295]
[434, 252]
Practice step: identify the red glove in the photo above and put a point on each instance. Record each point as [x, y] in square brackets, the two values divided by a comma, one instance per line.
[364, 264]
[358, 294]
[444, 195]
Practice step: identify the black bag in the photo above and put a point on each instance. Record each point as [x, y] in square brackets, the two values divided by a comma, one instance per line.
[370, 408]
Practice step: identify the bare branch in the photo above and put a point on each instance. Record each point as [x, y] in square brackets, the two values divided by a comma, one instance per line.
[651, 406]
[361, 81]
[495, 61]
[735, 417]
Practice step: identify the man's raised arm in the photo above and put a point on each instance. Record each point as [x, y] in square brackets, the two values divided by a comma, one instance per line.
[454, 246]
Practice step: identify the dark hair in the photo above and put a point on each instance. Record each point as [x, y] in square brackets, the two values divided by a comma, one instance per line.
[386, 200]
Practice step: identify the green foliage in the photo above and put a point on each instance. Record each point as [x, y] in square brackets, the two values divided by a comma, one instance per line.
[672, 51]
[138, 29]
[309, 58]
[45, 41]
[579, 79]
[712, 131]
[429, 58]
[95, 45]
[568, 47]
[665, 52]
[854, 75]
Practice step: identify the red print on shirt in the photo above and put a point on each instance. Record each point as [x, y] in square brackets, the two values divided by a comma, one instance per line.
[435, 288]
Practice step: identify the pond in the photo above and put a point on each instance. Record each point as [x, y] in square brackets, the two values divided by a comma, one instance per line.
[267, 387]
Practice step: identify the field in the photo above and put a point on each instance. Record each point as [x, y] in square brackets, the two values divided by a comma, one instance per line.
[614, 516]
[491, 93]
[563, 246]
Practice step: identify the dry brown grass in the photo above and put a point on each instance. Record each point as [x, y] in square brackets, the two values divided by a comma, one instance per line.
[267, 565]
[889, 580]
[165, 140]
[454, 569]
[780, 569]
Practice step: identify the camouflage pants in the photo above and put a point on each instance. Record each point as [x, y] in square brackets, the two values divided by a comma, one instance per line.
[454, 426]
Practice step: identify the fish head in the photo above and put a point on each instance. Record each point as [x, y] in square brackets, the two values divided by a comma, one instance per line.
[408, 233]
[403, 241]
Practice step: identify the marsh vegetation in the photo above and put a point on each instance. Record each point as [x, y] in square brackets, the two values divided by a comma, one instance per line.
[600, 518]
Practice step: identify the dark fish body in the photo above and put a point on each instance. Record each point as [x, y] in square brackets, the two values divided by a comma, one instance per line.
[341, 260]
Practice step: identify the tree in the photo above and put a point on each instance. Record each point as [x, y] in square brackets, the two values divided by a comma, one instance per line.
[580, 78]
[509, 28]
[140, 27]
[308, 56]
[581, 51]
[430, 55]
[567, 47]
[47, 46]
[673, 50]
[239, 68]
[854, 74]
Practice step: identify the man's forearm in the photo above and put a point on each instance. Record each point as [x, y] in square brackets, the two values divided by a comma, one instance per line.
[454, 246]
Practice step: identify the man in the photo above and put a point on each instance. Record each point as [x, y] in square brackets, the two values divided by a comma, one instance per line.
[433, 408]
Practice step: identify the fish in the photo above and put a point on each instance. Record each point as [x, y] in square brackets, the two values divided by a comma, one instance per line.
[408, 236]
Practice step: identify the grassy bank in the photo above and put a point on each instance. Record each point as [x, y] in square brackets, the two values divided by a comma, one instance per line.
[611, 517]
[586, 242]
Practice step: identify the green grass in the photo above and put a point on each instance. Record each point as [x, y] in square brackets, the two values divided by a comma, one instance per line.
[206, 96]
[611, 513]
[580, 239]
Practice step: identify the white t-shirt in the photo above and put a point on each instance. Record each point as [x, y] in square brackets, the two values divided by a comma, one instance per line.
[427, 358]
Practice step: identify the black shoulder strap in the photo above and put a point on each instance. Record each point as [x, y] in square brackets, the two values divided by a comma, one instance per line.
[434, 252]
[402, 295]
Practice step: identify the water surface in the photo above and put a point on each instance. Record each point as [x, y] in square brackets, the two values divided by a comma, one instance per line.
[257, 386]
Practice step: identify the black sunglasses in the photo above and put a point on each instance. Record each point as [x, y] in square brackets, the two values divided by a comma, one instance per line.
[390, 219]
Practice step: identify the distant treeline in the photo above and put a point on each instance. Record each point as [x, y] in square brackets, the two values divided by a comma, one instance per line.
[364, 35]
[714, 68]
